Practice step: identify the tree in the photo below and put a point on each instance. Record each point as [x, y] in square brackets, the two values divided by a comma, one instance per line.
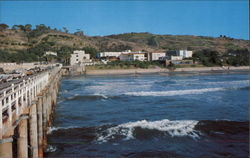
[207, 57]
[21, 27]
[64, 54]
[28, 27]
[237, 57]
[65, 30]
[79, 32]
[90, 50]
[39, 30]
[152, 41]
[41, 27]
[40, 49]
[15, 27]
[3, 27]
[18, 27]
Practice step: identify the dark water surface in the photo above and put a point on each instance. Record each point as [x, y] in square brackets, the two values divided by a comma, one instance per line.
[152, 116]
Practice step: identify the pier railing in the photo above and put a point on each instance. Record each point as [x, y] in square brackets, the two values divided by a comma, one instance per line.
[19, 95]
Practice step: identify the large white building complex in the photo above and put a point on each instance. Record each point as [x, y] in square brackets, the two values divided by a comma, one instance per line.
[127, 55]
[145, 56]
[79, 57]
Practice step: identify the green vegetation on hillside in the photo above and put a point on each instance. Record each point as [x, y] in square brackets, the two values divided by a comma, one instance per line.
[19, 57]
[234, 57]
[25, 43]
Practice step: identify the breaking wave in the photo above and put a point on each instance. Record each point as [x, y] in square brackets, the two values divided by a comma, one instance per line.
[173, 93]
[52, 129]
[51, 149]
[222, 129]
[130, 130]
[88, 97]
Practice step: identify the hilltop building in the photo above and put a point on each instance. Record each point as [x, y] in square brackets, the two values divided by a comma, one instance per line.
[79, 57]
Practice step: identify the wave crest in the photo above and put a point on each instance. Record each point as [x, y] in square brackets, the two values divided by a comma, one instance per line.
[173, 128]
[173, 93]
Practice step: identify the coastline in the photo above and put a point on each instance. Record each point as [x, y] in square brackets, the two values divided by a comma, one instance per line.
[167, 71]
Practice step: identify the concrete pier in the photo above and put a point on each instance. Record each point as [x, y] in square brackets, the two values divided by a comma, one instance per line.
[22, 141]
[6, 148]
[33, 131]
[27, 107]
[40, 126]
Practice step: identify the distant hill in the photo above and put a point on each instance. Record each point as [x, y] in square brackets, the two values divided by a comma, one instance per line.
[14, 40]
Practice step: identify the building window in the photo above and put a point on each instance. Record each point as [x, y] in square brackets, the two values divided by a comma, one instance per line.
[77, 55]
[76, 59]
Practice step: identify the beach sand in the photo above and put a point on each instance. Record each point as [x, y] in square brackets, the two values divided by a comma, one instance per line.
[164, 70]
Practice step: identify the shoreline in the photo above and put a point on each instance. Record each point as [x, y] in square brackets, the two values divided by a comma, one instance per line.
[167, 71]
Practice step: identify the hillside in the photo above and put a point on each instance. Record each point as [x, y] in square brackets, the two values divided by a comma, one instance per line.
[15, 40]
[24, 44]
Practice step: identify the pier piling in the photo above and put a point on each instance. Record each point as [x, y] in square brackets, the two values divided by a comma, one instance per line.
[27, 107]
[22, 141]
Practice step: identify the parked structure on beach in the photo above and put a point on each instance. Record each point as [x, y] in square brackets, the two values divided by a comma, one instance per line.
[79, 57]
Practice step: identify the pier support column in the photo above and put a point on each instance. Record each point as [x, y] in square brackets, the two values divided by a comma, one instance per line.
[6, 148]
[22, 141]
[49, 108]
[40, 126]
[33, 131]
[44, 118]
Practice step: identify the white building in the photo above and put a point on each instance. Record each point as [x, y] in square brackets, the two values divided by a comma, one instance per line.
[175, 58]
[155, 56]
[51, 53]
[185, 53]
[79, 57]
[111, 54]
[108, 54]
[132, 57]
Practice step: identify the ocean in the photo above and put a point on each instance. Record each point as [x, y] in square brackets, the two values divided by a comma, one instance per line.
[151, 116]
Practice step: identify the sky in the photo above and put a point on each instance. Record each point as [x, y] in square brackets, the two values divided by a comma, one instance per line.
[176, 17]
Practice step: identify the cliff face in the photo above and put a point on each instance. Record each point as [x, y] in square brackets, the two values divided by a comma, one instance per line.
[14, 40]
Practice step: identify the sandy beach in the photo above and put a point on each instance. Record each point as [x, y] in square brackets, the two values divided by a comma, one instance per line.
[161, 70]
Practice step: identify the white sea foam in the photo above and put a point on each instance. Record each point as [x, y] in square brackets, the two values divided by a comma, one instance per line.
[51, 149]
[102, 95]
[173, 93]
[228, 83]
[173, 128]
[52, 129]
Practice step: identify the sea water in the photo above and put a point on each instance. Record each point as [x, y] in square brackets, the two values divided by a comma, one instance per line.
[152, 116]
